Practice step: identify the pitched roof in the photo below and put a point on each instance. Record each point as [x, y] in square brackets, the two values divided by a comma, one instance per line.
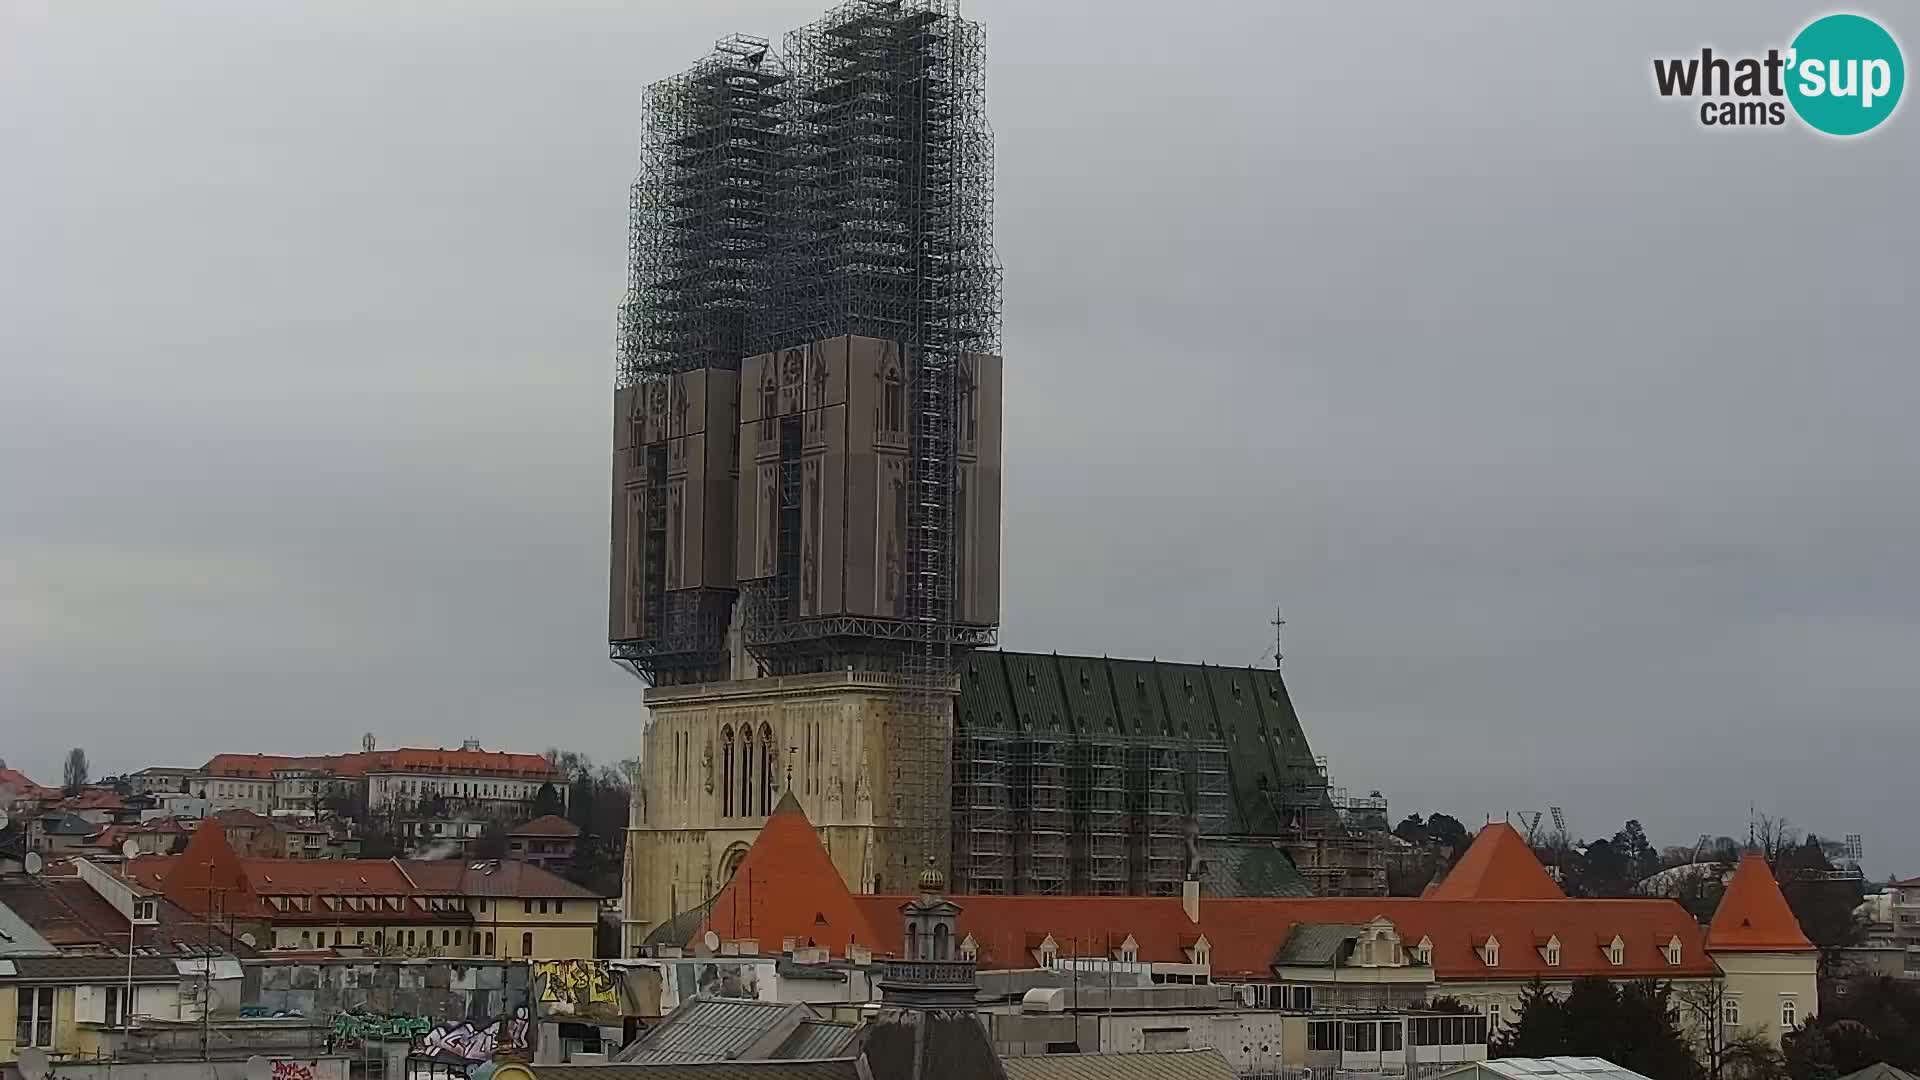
[205, 876]
[716, 1029]
[1245, 933]
[1317, 944]
[1579, 1068]
[1753, 915]
[1206, 1064]
[94, 799]
[1498, 866]
[787, 887]
[505, 878]
[60, 823]
[19, 781]
[71, 916]
[546, 825]
[463, 762]
[243, 819]
[246, 880]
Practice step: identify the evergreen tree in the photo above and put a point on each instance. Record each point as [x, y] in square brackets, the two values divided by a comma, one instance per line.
[547, 800]
[1539, 1029]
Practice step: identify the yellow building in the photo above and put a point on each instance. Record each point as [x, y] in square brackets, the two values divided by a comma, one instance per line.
[62, 1004]
[501, 909]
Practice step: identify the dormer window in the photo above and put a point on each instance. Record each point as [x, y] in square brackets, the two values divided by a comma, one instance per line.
[1490, 952]
[1673, 951]
[145, 911]
[1550, 952]
[1423, 952]
[1049, 955]
[969, 948]
[1616, 952]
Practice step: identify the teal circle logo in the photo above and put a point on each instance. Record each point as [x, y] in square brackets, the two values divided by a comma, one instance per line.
[1846, 74]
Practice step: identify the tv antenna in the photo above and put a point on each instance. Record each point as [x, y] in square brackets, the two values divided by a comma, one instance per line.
[33, 862]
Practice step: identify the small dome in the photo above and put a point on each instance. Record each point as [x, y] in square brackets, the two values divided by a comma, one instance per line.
[932, 881]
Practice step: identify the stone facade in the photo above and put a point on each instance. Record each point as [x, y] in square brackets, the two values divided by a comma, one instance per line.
[718, 757]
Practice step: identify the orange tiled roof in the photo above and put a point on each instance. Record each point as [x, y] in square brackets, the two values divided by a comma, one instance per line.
[1753, 916]
[787, 887]
[466, 762]
[796, 892]
[1498, 866]
[547, 825]
[242, 885]
[14, 778]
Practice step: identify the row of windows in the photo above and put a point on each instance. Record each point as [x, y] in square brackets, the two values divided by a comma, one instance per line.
[1789, 1012]
[749, 772]
[1467, 1030]
[1616, 953]
[482, 942]
[460, 789]
[1354, 1036]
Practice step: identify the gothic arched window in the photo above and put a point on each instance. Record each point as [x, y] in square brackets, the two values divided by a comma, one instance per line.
[746, 771]
[895, 401]
[770, 769]
[726, 771]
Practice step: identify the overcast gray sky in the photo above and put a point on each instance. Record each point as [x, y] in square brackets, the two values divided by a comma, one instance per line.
[1574, 437]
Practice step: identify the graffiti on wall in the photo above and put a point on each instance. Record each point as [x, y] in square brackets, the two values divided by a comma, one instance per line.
[292, 1070]
[577, 988]
[350, 1029]
[446, 1040]
[465, 1041]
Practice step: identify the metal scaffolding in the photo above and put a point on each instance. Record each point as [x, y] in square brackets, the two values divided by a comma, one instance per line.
[698, 243]
[884, 204]
[700, 215]
[1082, 814]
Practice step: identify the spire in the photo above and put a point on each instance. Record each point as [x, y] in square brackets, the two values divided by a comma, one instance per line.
[1499, 866]
[1753, 916]
[786, 886]
[208, 876]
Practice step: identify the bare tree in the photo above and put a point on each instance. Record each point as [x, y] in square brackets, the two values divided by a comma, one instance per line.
[1773, 835]
[76, 770]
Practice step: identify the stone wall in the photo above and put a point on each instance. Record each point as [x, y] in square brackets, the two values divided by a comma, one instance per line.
[439, 990]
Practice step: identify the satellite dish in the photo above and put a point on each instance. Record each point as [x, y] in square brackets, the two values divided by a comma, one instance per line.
[248, 939]
[3, 814]
[130, 849]
[34, 864]
[33, 1062]
[711, 941]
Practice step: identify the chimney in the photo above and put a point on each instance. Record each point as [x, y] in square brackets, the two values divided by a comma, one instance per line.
[1190, 900]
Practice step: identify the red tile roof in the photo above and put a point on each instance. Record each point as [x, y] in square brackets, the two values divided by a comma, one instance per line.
[94, 799]
[18, 780]
[1498, 866]
[205, 877]
[243, 819]
[1753, 916]
[461, 762]
[74, 918]
[795, 891]
[786, 886]
[241, 887]
[547, 825]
